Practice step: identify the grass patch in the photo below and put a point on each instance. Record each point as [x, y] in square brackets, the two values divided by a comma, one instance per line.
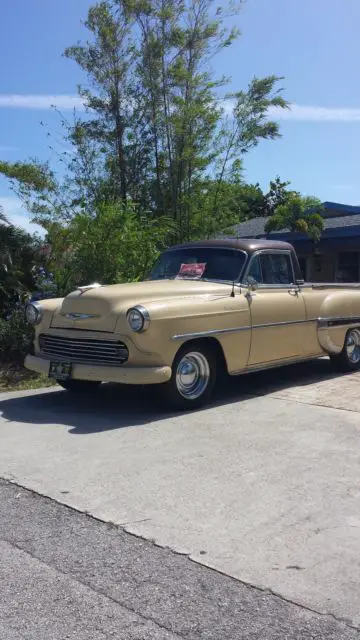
[14, 377]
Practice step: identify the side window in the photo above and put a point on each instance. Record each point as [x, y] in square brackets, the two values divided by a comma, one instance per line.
[276, 268]
[255, 270]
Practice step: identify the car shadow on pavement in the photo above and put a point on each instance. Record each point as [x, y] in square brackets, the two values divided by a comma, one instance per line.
[120, 406]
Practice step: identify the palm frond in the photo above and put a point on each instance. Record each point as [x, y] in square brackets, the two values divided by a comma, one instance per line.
[3, 218]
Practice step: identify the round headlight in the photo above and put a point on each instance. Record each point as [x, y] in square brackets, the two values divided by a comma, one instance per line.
[138, 319]
[33, 313]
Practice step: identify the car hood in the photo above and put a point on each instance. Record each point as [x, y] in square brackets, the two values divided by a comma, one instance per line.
[98, 309]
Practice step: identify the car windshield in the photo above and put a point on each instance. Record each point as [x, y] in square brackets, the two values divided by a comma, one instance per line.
[199, 264]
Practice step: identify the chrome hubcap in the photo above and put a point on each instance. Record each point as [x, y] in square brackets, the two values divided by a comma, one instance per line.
[192, 375]
[353, 346]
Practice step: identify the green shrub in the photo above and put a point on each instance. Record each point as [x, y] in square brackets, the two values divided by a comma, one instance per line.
[16, 335]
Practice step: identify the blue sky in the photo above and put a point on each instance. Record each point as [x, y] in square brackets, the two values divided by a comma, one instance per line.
[313, 43]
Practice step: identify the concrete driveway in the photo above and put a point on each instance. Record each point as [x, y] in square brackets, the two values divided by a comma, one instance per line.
[264, 485]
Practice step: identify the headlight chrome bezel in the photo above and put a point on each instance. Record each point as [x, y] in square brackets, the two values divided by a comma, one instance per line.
[38, 311]
[145, 318]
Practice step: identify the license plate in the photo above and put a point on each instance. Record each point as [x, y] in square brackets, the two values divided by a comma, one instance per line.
[60, 370]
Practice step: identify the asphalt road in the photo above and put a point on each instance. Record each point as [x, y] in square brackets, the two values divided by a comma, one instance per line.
[65, 575]
[262, 486]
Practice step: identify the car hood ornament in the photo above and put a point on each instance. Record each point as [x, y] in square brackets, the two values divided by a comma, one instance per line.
[87, 287]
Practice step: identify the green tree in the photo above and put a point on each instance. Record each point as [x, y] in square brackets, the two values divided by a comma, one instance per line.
[3, 218]
[159, 129]
[298, 214]
[108, 61]
[247, 125]
[36, 186]
[19, 253]
[156, 133]
[277, 195]
[117, 245]
[239, 202]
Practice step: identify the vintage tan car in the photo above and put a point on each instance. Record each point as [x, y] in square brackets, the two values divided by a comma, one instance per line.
[210, 306]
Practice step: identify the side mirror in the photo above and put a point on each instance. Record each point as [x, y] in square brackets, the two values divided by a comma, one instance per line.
[252, 283]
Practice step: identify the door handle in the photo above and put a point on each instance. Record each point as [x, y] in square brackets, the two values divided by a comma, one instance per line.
[294, 292]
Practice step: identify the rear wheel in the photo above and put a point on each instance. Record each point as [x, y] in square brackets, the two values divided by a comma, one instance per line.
[349, 358]
[193, 377]
[79, 386]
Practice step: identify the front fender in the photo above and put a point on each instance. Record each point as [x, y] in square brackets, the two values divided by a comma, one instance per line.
[224, 319]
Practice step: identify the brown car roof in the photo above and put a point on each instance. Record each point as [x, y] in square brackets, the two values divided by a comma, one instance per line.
[241, 244]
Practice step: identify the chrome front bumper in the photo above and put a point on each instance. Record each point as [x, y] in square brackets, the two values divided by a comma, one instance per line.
[124, 374]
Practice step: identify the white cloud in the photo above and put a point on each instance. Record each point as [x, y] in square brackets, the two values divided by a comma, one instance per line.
[300, 112]
[24, 223]
[11, 205]
[313, 113]
[308, 113]
[40, 102]
[16, 214]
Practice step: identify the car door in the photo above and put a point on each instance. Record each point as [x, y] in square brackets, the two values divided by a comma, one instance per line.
[277, 309]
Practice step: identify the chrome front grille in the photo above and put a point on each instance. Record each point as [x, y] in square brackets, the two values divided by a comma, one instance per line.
[84, 350]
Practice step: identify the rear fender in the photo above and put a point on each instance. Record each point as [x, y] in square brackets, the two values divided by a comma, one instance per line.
[339, 312]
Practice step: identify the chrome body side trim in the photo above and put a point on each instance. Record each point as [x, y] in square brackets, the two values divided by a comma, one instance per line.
[326, 338]
[283, 324]
[213, 332]
[341, 321]
[323, 324]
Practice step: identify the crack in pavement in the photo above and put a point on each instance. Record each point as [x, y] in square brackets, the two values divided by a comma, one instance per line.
[312, 403]
[88, 586]
[150, 581]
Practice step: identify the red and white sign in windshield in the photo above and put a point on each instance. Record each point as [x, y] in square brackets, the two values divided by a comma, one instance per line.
[194, 270]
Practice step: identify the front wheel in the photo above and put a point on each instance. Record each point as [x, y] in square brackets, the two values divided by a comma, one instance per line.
[80, 387]
[193, 377]
[349, 358]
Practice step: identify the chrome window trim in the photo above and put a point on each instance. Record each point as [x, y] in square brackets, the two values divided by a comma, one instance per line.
[262, 285]
[334, 285]
[286, 287]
